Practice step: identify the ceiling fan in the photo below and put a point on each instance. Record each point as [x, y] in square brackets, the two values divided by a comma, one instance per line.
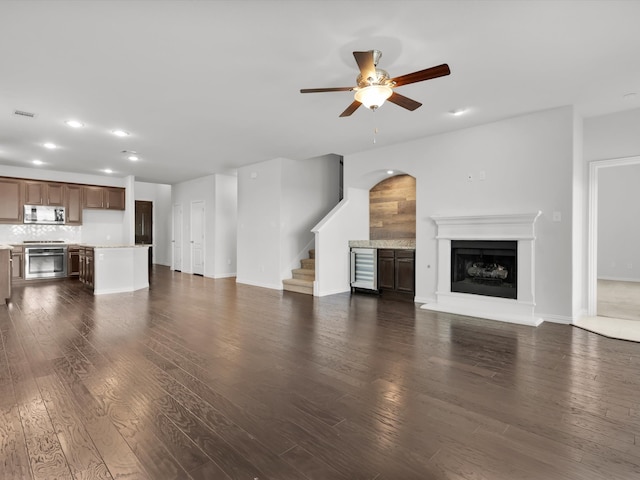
[374, 85]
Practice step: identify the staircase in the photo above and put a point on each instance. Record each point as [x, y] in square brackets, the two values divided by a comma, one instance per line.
[303, 277]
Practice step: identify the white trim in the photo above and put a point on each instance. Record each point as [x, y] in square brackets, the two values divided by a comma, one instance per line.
[620, 279]
[563, 319]
[424, 300]
[328, 292]
[224, 275]
[518, 227]
[257, 284]
[592, 252]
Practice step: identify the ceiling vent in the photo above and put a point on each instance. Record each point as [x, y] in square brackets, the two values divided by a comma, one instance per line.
[24, 114]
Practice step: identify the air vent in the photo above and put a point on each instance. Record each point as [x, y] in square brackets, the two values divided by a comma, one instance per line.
[24, 114]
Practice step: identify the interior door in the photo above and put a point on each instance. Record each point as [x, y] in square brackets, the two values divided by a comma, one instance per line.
[144, 226]
[197, 237]
[177, 238]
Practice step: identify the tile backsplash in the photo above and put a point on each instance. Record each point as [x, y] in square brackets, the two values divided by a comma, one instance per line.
[14, 234]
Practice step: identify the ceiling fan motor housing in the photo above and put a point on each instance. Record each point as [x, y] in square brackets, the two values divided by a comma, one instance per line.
[381, 78]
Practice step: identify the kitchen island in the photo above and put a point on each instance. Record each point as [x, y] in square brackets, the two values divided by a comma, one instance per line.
[5, 272]
[114, 268]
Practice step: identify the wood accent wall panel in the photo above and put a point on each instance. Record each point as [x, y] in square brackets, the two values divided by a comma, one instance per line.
[392, 209]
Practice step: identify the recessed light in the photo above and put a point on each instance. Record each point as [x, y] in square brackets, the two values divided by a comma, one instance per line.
[50, 145]
[120, 133]
[390, 172]
[133, 158]
[74, 123]
[37, 162]
[107, 170]
[458, 111]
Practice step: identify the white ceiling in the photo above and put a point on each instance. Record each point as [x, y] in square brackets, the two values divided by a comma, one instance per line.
[207, 86]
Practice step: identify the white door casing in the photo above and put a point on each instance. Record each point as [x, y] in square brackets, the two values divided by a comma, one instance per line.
[176, 241]
[197, 237]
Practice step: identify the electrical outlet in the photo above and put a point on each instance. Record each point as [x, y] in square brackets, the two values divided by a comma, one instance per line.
[482, 175]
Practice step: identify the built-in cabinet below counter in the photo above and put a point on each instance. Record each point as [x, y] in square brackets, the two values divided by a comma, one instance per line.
[394, 266]
[15, 193]
[115, 268]
[5, 273]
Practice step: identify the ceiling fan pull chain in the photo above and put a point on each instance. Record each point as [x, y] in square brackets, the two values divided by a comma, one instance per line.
[375, 128]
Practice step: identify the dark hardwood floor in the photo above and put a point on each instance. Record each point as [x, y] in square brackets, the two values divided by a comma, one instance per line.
[205, 379]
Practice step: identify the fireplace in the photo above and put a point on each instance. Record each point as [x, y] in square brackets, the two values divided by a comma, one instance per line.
[492, 255]
[485, 267]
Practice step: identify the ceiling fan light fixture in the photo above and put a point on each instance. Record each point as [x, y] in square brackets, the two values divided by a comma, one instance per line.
[373, 96]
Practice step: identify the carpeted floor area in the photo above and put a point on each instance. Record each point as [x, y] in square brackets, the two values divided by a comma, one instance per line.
[619, 299]
[618, 311]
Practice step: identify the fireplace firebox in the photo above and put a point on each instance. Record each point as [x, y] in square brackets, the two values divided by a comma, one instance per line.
[485, 267]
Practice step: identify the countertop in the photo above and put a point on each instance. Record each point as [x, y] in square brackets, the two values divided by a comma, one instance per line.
[137, 245]
[5, 247]
[401, 244]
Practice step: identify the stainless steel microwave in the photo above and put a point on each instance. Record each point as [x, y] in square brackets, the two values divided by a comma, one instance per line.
[44, 214]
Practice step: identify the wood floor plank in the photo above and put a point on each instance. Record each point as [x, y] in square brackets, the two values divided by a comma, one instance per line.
[201, 378]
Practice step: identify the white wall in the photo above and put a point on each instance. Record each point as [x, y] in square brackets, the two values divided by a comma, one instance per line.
[310, 188]
[218, 194]
[619, 223]
[528, 164]
[160, 195]
[226, 226]
[279, 201]
[612, 136]
[345, 222]
[201, 189]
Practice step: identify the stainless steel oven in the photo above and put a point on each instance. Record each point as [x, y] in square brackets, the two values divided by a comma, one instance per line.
[45, 261]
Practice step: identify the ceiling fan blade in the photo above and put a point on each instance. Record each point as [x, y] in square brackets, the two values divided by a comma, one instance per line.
[404, 102]
[320, 90]
[426, 74]
[366, 63]
[351, 108]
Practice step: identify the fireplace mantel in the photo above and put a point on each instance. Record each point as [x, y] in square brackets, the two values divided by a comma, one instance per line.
[519, 227]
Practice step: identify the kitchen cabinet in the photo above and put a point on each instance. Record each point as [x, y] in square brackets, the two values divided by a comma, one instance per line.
[110, 198]
[114, 198]
[73, 261]
[5, 273]
[11, 200]
[396, 271]
[17, 262]
[86, 266]
[93, 197]
[43, 193]
[73, 204]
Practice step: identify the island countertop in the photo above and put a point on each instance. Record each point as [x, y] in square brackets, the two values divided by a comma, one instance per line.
[137, 245]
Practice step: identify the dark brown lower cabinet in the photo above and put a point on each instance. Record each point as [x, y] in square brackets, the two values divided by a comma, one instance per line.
[396, 272]
[73, 262]
[86, 266]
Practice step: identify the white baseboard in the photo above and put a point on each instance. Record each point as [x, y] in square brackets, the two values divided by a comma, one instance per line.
[424, 299]
[330, 292]
[550, 317]
[224, 275]
[619, 279]
[257, 284]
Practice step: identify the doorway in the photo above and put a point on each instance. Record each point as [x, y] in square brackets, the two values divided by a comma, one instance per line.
[197, 237]
[144, 226]
[606, 268]
[176, 240]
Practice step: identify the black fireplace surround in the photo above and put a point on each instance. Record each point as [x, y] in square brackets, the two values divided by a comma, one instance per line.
[485, 267]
